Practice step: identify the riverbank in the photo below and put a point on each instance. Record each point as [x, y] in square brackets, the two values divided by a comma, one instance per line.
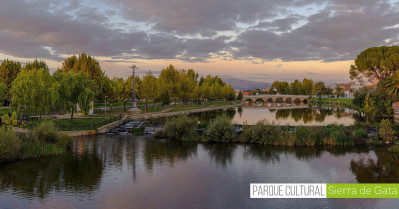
[222, 130]
[42, 141]
[343, 102]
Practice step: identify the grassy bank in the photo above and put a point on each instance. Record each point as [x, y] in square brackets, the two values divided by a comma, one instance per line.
[343, 100]
[76, 124]
[222, 130]
[42, 141]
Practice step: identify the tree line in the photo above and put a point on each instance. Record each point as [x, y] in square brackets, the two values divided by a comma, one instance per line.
[32, 89]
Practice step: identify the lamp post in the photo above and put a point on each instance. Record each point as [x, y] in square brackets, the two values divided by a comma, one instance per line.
[105, 109]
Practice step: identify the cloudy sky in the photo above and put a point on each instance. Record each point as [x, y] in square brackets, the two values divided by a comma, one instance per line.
[262, 40]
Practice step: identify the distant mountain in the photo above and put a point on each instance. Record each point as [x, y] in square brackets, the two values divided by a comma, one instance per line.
[241, 84]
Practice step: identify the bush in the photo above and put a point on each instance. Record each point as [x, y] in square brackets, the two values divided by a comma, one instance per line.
[254, 134]
[63, 140]
[220, 130]
[45, 132]
[307, 136]
[181, 127]
[359, 136]
[386, 131]
[336, 135]
[9, 145]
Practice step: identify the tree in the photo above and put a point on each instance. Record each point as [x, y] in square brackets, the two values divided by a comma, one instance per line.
[320, 89]
[76, 89]
[169, 81]
[392, 85]
[282, 87]
[329, 92]
[186, 86]
[3, 93]
[34, 91]
[375, 63]
[88, 65]
[149, 89]
[239, 96]
[386, 131]
[338, 91]
[36, 64]
[296, 87]
[8, 72]
[120, 91]
[308, 86]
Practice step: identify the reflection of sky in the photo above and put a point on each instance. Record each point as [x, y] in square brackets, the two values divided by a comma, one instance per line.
[202, 180]
[253, 115]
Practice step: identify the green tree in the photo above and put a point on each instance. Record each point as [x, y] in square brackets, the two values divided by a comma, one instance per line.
[149, 89]
[296, 87]
[376, 62]
[282, 87]
[169, 81]
[8, 72]
[320, 89]
[3, 93]
[36, 64]
[34, 91]
[186, 86]
[386, 132]
[88, 65]
[240, 96]
[308, 86]
[121, 92]
[338, 91]
[76, 89]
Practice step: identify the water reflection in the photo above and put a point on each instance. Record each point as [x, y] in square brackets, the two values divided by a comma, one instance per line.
[146, 172]
[297, 116]
[40, 177]
[381, 170]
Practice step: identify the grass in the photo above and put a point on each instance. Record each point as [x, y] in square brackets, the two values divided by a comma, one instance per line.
[344, 100]
[77, 124]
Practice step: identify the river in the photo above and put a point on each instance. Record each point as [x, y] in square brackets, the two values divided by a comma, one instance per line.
[108, 171]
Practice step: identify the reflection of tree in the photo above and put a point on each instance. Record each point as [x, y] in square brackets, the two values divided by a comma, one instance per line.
[222, 153]
[273, 153]
[282, 113]
[39, 177]
[384, 170]
[207, 117]
[239, 110]
[159, 151]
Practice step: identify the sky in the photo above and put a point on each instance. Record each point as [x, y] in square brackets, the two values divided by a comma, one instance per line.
[259, 40]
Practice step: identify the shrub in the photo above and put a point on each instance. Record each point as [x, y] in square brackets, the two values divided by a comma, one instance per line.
[254, 134]
[45, 132]
[307, 136]
[359, 136]
[63, 141]
[336, 135]
[9, 145]
[181, 127]
[386, 132]
[220, 130]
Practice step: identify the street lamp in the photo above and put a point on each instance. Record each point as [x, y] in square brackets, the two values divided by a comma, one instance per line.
[105, 109]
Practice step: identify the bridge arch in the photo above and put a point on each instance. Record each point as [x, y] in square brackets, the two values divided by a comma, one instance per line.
[259, 102]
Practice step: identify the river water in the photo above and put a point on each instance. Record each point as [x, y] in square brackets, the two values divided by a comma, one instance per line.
[307, 116]
[108, 171]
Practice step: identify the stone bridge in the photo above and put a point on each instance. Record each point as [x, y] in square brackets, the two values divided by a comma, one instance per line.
[265, 100]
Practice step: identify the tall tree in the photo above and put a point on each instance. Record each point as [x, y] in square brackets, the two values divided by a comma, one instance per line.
[169, 79]
[308, 86]
[282, 87]
[149, 89]
[34, 91]
[76, 89]
[9, 71]
[186, 86]
[88, 65]
[375, 63]
[320, 89]
[36, 64]
[121, 92]
[3, 93]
